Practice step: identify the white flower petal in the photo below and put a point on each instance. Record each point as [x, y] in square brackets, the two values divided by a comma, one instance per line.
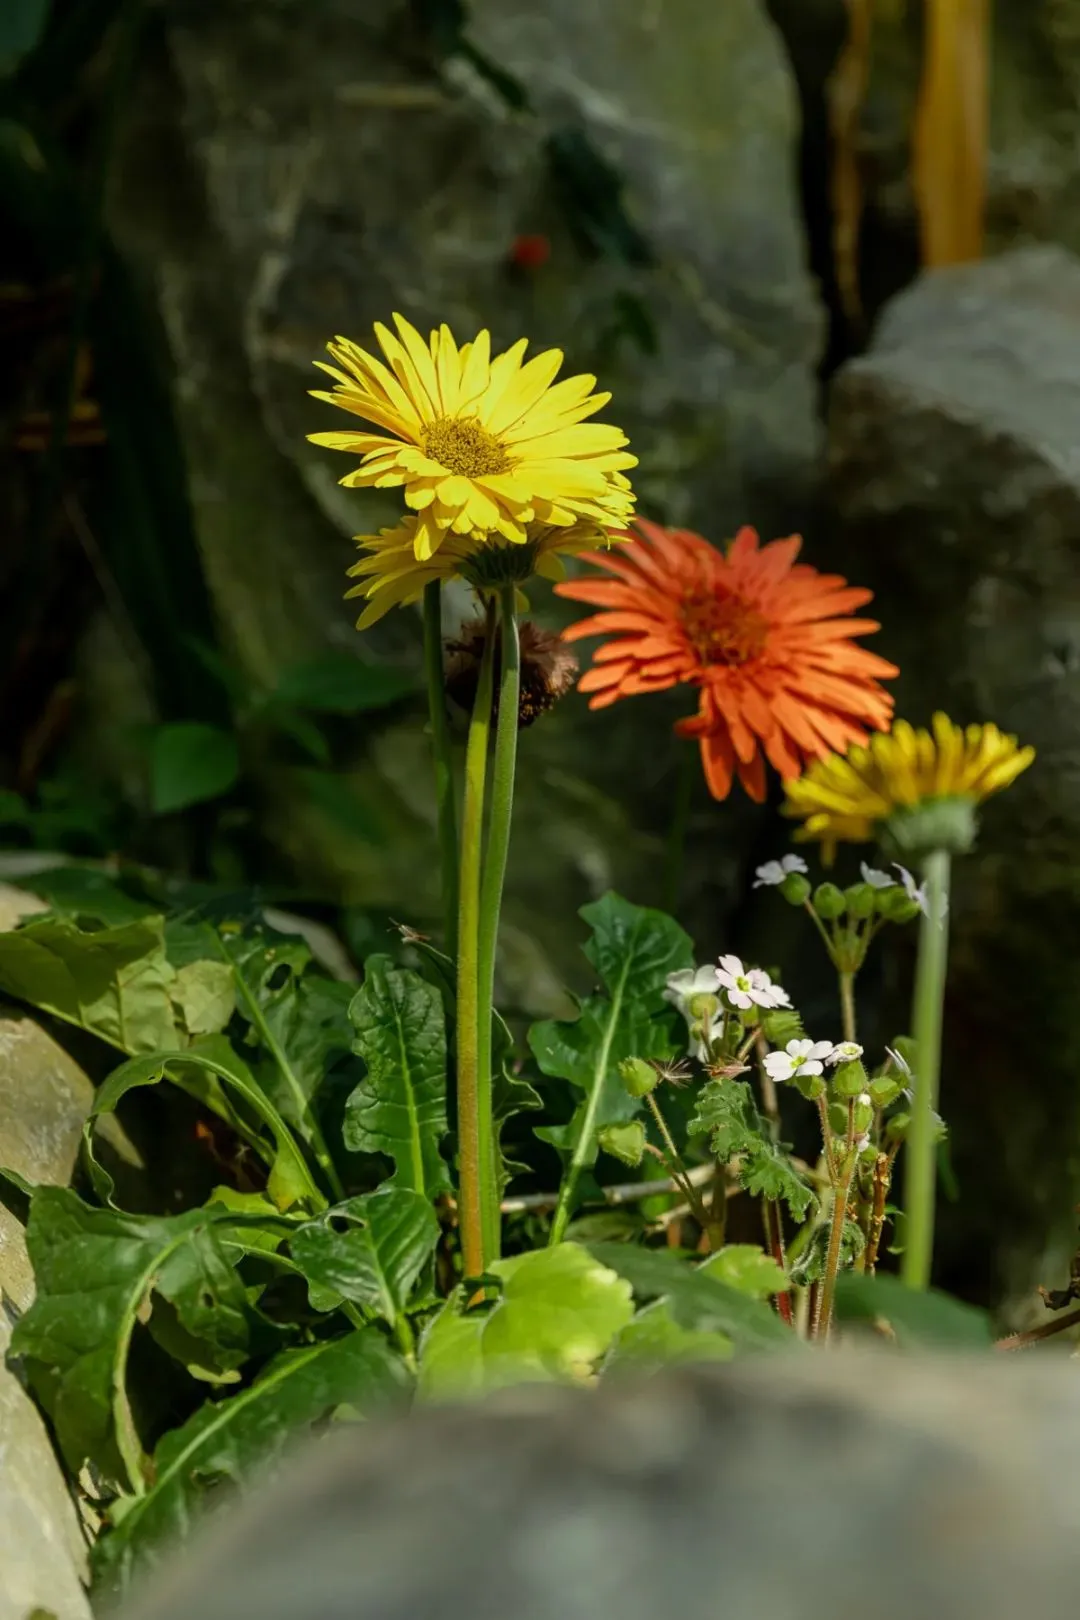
[811, 1066]
[767, 876]
[876, 879]
[799, 1049]
[732, 965]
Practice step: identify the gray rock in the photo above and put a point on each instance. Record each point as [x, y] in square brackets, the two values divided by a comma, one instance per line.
[793, 1489]
[954, 481]
[44, 1099]
[268, 210]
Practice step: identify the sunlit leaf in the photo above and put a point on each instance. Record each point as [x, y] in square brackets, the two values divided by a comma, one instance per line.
[698, 1301]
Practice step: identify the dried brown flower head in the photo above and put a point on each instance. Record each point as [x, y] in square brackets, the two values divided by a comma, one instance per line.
[548, 668]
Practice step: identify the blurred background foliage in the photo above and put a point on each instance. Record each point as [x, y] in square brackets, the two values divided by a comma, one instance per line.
[710, 207]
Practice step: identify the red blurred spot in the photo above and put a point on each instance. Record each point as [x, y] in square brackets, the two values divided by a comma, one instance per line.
[530, 252]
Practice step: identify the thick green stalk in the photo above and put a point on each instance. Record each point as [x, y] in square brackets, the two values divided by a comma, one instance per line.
[442, 760]
[491, 893]
[920, 1170]
[474, 1170]
[841, 1191]
[847, 1004]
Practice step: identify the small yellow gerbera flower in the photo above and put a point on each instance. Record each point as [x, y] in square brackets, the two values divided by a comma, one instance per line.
[915, 790]
[390, 574]
[482, 446]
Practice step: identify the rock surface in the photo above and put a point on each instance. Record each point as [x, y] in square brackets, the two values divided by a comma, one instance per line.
[44, 1099]
[954, 481]
[269, 210]
[777, 1488]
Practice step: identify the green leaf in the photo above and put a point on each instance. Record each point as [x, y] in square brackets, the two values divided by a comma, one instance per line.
[698, 1302]
[87, 891]
[237, 1437]
[290, 1179]
[653, 1338]
[22, 23]
[916, 1318]
[95, 1271]
[338, 683]
[370, 1250]
[205, 994]
[399, 1108]
[300, 1018]
[634, 950]
[189, 764]
[727, 1113]
[746, 1268]
[558, 1311]
[114, 982]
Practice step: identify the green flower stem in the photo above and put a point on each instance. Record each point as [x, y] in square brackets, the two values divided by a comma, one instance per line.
[713, 1227]
[921, 1167]
[847, 1005]
[827, 1292]
[442, 759]
[474, 1172]
[491, 893]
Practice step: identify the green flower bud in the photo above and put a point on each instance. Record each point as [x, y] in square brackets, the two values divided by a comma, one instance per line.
[862, 1114]
[795, 889]
[898, 1128]
[885, 1089]
[811, 1085]
[896, 906]
[838, 1118]
[859, 900]
[637, 1076]
[849, 1080]
[869, 1156]
[703, 1007]
[624, 1142]
[915, 830]
[781, 1025]
[829, 902]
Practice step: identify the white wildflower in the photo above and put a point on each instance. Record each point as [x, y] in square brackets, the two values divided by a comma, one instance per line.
[696, 993]
[798, 1058]
[749, 987]
[845, 1052]
[774, 872]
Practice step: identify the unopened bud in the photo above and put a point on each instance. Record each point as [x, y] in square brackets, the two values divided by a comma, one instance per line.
[885, 1089]
[624, 1142]
[703, 1007]
[811, 1085]
[795, 889]
[896, 905]
[862, 1114]
[849, 1080]
[829, 901]
[781, 1025]
[859, 900]
[637, 1076]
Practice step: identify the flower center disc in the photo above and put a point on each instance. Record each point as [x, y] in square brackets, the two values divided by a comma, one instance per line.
[461, 445]
[723, 629]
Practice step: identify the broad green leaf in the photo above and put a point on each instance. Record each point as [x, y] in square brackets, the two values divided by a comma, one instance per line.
[916, 1318]
[95, 1271]
[205, 994]
[201, 1319]
[290, 1179]
[653, 1338]
[698, 1302]
[189, 764]
[558, 1312]
[745, 1267]
[237, 1438]
[513, 1094]
[371, 1250]
[399, 1108]
[115, 982]
[299, 1017]
[634, 950]
[87, 891]
[728, 1115]
[338, 683]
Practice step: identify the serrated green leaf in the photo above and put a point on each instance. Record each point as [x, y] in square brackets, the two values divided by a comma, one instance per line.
[634, 948]
[399, 1108]
[558, 1311]
[190, 763]
[114, 982]
[916, 1318]
[94, 1271]
[231, 1438]
[290, 1179]
[371, 1250]
[338, 683]
[205, 994]
[698, 1302]
[653, 1339]
[727, 1113]
[747, 1269]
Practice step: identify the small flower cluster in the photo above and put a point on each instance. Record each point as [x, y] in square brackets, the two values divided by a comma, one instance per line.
[706, 995]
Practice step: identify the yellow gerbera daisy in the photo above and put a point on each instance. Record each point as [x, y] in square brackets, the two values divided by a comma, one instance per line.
[390, 573]
[917, 789]
[482, 446]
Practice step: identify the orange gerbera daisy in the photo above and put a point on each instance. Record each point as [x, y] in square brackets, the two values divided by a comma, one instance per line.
[766, 640]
